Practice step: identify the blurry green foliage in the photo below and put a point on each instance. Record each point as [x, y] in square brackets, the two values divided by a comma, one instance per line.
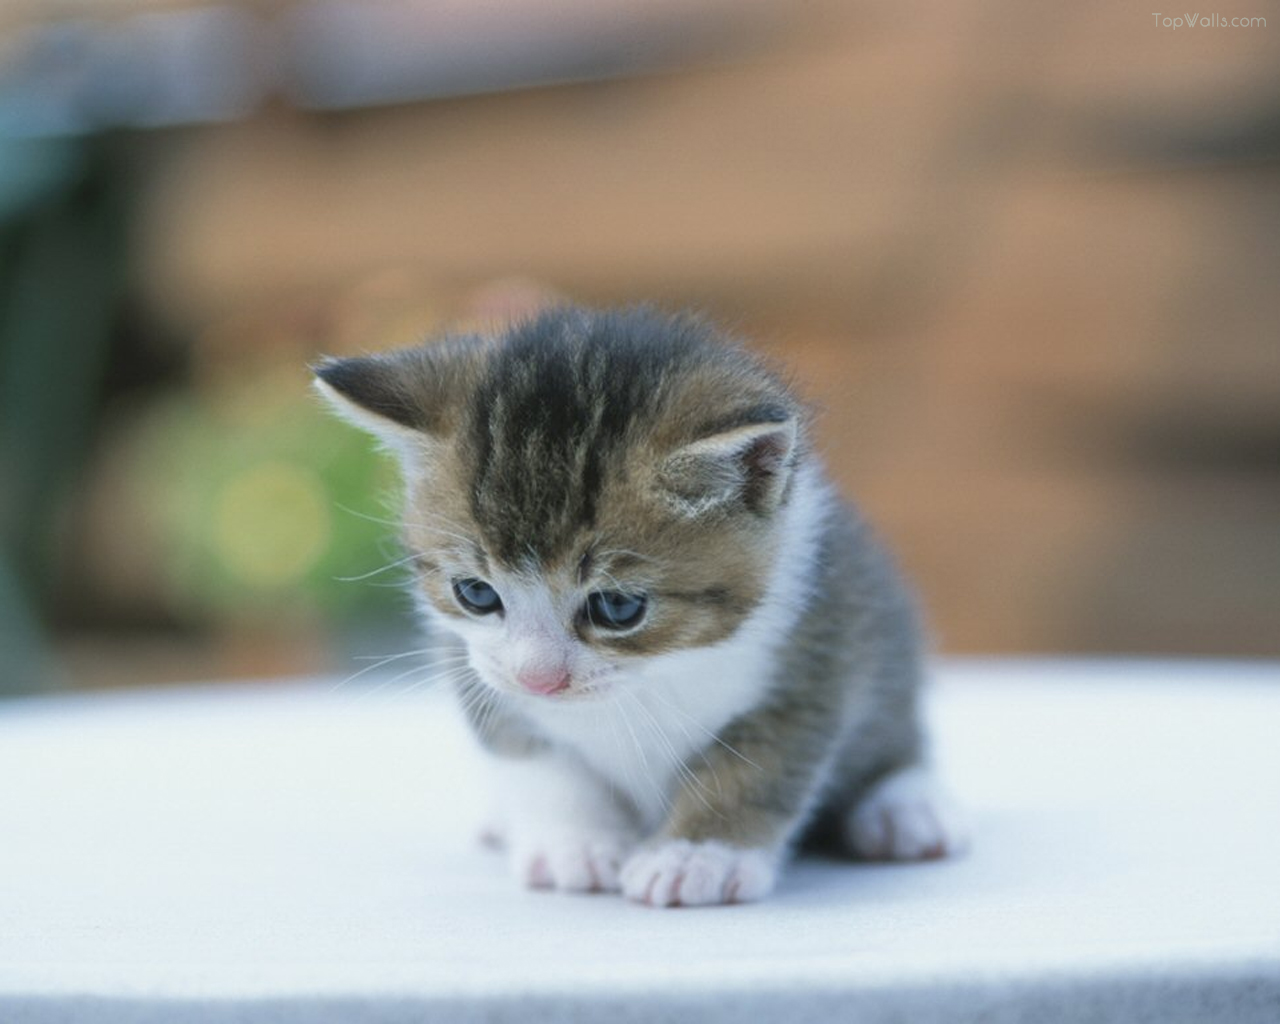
[263, 504]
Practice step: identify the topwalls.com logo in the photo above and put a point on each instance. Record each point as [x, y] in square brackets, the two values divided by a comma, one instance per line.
[1177, 21]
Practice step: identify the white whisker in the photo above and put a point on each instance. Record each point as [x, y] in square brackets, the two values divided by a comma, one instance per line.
[699, 747]
[644, 762]
[398, 525]
[378, 571]
[379, 687]
[709, 734]
[446, 676]
[379, 661]
[688, 778]
[608, 553]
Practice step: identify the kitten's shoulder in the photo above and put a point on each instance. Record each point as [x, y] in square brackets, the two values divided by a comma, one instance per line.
[853, 611]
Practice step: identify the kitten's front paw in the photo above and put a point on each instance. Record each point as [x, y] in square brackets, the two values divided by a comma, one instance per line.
[906, 816]
[679, 873]
[571, 862]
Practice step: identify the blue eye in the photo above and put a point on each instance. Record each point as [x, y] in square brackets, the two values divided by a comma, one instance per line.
[476, 596]
[612, 609]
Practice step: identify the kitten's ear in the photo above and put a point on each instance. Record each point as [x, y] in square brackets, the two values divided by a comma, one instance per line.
[750, 464]
[395, 397]
[372, 390]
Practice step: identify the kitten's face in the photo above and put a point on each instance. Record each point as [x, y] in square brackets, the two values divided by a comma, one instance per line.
[584, 495]
[643, 579]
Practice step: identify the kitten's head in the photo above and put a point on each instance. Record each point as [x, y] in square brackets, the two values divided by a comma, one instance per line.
[585, 492]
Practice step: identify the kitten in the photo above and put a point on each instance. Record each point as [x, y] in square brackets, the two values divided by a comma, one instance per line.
[683, 651]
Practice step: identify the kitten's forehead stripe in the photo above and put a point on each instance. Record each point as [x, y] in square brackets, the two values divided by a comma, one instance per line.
[562, 398]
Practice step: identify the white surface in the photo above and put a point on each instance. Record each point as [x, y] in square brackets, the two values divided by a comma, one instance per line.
[283, 853]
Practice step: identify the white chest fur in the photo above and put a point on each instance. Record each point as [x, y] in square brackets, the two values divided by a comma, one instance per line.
[645, 737]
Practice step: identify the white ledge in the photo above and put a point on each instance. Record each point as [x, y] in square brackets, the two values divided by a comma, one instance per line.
[287, 853]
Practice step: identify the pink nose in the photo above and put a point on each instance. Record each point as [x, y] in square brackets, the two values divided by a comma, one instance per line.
[543, 680]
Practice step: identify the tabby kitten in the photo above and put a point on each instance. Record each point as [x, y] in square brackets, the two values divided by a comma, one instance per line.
[683, 651]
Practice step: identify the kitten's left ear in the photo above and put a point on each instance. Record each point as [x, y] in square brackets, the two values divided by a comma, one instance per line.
[750, 464]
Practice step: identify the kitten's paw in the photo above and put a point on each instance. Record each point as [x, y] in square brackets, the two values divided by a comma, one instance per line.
[906, 816]
[571, 862]
[679, 873]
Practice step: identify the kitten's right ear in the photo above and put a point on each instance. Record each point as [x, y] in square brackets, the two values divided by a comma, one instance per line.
[391, 396]
[371, 390]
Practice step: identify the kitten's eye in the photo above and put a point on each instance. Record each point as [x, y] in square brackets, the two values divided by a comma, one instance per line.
[477, 596]
[612, 609]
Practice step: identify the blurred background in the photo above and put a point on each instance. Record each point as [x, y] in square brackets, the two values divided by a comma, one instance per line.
[1025, 258]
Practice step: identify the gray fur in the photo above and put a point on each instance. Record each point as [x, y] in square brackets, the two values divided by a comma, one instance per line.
[842, 712]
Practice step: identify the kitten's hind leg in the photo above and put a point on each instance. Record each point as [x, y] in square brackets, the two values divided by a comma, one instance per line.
[906, 815]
